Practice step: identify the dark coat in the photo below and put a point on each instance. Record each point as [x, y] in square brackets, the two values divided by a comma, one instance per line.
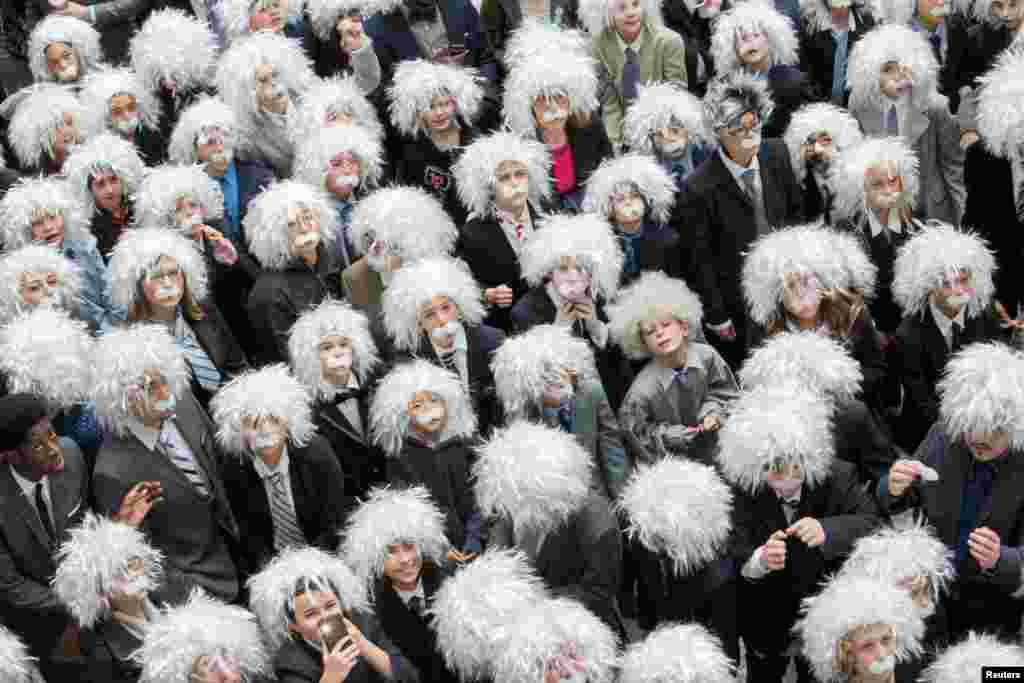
[361, 460]
[983, 45]
[498, 18]
[297, 662]
[860, 441]
[818, 51]
[790, 90]
[411, 633]
[151, 145]
[658, 249]
[106, 232]
[116, 20]
[109, 647]
[957, 27]
[279, 297]
[590, 146]
[317, 483]
[214, 335]
[696, 34]
[421, 164]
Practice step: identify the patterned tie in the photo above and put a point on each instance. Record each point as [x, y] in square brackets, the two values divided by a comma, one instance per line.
[679, 375]
[203, 369]
[184, 462]
[630, 76]
[286, 529]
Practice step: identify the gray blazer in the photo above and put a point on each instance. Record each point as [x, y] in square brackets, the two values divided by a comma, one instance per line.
[197, 536]
[934, 135]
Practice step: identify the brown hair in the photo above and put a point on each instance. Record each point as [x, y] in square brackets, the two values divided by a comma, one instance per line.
[841, 309]
[140, 310]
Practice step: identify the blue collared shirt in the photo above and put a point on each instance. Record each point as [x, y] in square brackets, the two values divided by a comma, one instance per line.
[232, 209]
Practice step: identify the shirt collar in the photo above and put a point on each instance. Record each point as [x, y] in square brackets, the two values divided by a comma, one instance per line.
[266, 471]
[407, 596]
[147, 435]
[27, 485]
[665, 376]
[895, 224]
[944, 322]
[636, 44]
[735, 169]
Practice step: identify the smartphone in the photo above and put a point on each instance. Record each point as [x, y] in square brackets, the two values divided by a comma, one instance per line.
[333, 630]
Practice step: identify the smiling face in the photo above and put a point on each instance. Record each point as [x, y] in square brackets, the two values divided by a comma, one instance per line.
[895, 80]
[163, 284]
[626, 18]
[883, 186]
[336, 359]
[402, 565]
[271, 97]
[63, 63]
[107, 191]
[310, 609]
[48, 227]
[428, 413]
[303, 230]
[441, 114]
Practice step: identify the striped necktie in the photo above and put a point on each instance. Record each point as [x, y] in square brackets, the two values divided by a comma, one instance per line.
[203, 369]
[287, 533]
[184, 462]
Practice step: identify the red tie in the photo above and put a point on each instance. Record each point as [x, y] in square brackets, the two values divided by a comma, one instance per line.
[520, 231]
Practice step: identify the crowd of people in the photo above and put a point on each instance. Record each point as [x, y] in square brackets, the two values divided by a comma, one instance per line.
[511, 341]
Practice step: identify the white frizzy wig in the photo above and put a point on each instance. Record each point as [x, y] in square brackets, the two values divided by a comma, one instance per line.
[979, 10]
[532, 475]
[652, 296]
[46, 353]
[95, 555]
[633, 170]
[270, 391]
[523, 365]
[847, 603]
[120, 361]
[663, 105]
[800, 249]
[774, 426]
[36, 119]
[139, 250]
[266, 223]
[677, 653]
[48, 195]
[204, 114]
[175, 48]
[982, 390]
[817, 14]
[474, 610]
[16, 664]
[236, 71]
[416, 83]
[964, 661]
[329, 97]
[895, 11]
[416, 284]
[313, 156]
[102, 154]
[324, 14]
[596, 17]
[680, 508]
[733, 94]
[936, 253]
[891, 43]
[409, 219]
[236, 15]
[812, 360]
[1000, 92]
[534, 37]
[389, 412]
[78, 34]
[861, 272]
[587, 238]
[903, 551]
[477, 166]
[202, 627]
[550, 630]
[755, 16]
[387, 517]
[272, 591]
[37, 258]
[330, 318]
[100, 86]
[157, 197]
[813, 119]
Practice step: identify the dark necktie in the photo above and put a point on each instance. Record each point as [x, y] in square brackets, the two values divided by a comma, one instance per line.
[44, 512]
[630, 76]
[976, 494]
[416, 605]
[892, 122]
[936, 41]
[955, 341]
[448, 361]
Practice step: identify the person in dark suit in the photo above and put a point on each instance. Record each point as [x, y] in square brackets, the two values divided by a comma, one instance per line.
[159, 277]
[285, 482]
[395, 542]
[693, 20]
[536, 483]
[160, 434]
[118, 102]
[723, 216]
[943, 283]
[991, 29]
[827, 34]
[319, 625]
[333, 354]
[115, 20]
[499, 19]
[797, 511]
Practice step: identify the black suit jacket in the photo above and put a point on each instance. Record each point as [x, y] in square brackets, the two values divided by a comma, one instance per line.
[818, 52]
[658, 249]
[421, 163]
[318, 486]
[696, 34]
[861, 442]
[215, 336]
[361, 461]
[109, 647]
[27, 564]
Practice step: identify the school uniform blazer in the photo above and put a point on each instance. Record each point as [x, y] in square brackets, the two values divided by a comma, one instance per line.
[361, 461]
[818, 50]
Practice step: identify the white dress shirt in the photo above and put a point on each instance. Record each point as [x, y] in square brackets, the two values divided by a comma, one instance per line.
[265, 472]
[406, 596]
[507, 222]
[350, 406]
[737, 171]
[895, 225]
[945, 323]
[28, 487]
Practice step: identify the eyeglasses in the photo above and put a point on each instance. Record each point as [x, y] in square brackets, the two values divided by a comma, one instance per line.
[165, 274]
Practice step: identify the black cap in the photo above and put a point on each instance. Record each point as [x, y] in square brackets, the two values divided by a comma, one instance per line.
[18, 413]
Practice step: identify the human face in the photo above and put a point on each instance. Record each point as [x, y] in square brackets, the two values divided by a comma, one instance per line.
[131, 583]
[381, 255]
[871, 650]
[742, 139]
[955, 293]
[152, 400]
[310, 609]
[932, 12]
[163, 283]
[708, 9]
[427, 413]
[671, 141]
[65, 134]
[62, 62]
[42, 449]
[883, 187]
[441, 114]
[551, 112]
[303, 230]
[216, 669]
[336, 359]
[894, 80]
[627, 209]
[342, 175]
[1007, 13]
[438, 319]
[213, 150]
[402, 565]
[920, 590]
[268, 15]
[187, 213]
[571, 283]
[986, 446]
[784, 479]
[37, 289]
[626, 16]
[107, 191]
[801, 295]
[820, 148]
[664, 336]
[752, 49]
[271, 98]
[124, 114]
[511, 186]
[264, 436]
[48, 227]
[559, 389]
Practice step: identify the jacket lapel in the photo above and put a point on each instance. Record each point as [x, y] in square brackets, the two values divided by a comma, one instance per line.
[771, 193]
[332, 414]
[513, 13]
[916, 124]
[302, 489]
[934, 342]
[18, 504]
[64, 499]
[727, 181]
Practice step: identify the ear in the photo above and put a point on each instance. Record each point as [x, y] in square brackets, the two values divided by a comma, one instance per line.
[684, 327]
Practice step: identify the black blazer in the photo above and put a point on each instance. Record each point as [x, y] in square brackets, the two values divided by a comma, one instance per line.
[318, 486]
[109, 647]
[696, 34]
[421, 164]
[411, 633]
[860, 441]
[214, 335]
[789, 90]
[721, 225]
[818, 52]
[361, 461]
[658, 249]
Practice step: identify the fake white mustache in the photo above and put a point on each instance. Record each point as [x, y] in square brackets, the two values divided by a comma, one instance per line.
[168, 293]
[631, 211]
[447, 331]
[307, 239]
[426, 418]
[551, 116]
[346, 180]
[263, 440]
[221, 157]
